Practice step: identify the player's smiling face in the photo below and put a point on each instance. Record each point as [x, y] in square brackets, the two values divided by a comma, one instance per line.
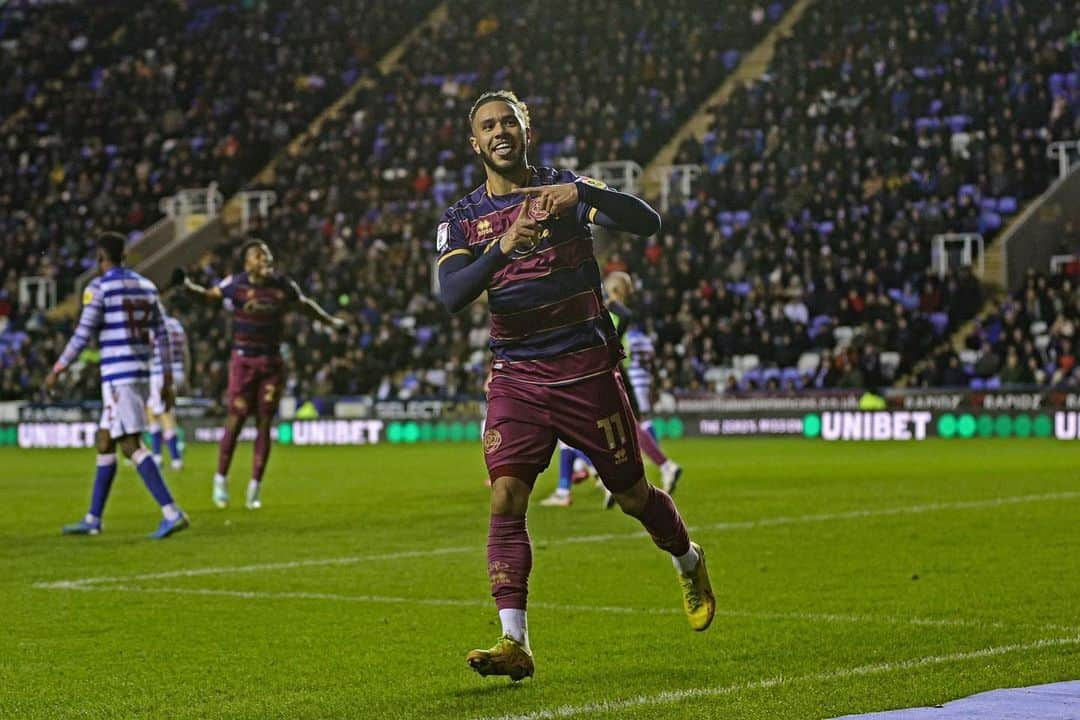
[258, 262]
[499, 136]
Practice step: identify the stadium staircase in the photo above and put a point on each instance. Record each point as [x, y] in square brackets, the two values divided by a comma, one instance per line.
[161, 249]
[752, 67]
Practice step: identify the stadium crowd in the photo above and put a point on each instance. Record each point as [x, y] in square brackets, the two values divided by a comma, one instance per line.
[805, 245]
[358, 207]
[1029, 338]
[875, 128]
[167, 103]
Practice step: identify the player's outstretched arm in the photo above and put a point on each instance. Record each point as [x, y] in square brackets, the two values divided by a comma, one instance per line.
[211, 295]
[314, 311]
[462, 278]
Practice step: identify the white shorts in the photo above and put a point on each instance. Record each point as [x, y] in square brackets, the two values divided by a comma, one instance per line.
[124, 408]
[155, 403]
[643, 395]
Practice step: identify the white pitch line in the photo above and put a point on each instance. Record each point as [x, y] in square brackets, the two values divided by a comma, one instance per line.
[676, 696]
[435, 552]
[838, 618]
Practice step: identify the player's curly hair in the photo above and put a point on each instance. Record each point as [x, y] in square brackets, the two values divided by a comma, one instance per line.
[250, 243]
[506, 96]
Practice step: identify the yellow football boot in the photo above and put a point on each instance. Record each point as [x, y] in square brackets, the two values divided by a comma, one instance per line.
[698, 600]
[507, 657]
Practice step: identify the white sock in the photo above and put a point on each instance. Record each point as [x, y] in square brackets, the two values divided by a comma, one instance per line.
[686, 563]
[253, 488]
[91, 519]
[668, 466]
[220, 479]
[170, 511]
[515, 625]
[562, 492]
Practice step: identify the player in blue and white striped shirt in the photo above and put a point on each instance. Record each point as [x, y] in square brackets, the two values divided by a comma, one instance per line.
[122, 311]
[160, 416]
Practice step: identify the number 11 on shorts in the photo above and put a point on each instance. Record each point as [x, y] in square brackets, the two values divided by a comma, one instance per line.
[613, 426]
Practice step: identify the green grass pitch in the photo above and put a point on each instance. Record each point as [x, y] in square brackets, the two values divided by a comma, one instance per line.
[849, 578]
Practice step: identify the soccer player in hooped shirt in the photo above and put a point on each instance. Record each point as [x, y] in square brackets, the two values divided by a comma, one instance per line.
[259, 299]
[162, 420]
[122, 309]
[524, 238]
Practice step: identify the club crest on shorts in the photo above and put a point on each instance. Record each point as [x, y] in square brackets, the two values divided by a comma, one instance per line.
[492, 440]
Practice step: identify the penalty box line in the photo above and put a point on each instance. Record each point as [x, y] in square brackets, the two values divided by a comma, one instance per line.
[671, 697]
[805, 617]
[778, 521]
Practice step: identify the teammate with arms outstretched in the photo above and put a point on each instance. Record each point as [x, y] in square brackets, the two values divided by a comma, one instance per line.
[524, 238]
[122, 310]
[259, 298]
[162, 420]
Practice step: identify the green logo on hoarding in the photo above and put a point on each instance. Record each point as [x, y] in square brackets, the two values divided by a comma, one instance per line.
[1042, 426]
[811, 426]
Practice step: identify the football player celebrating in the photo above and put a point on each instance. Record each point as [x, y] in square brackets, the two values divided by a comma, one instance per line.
[259, 298]
[524, 238]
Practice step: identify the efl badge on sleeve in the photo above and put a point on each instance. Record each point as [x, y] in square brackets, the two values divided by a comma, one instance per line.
[442, 238]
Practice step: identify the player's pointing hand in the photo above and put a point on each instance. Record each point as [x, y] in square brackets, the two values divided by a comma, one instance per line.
[523, 235]
[552, 199]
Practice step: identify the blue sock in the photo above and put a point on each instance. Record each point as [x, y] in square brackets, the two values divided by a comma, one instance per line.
[566, 468]
[151, 476]
[155, 439]
[103, 480]
[174, 446]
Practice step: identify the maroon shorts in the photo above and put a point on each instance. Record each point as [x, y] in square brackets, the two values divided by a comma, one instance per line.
[255, 383]
[593, 415]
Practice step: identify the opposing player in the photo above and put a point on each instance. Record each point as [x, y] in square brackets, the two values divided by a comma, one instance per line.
[162, 420]
[259, 299]
[637, 371]
[524, 238]
[122, 310]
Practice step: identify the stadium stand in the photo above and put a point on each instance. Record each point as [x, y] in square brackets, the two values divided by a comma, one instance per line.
[1029, 338]
[174, 106]
[875, 129]
[39, 42]
[358, 208]
[802, 259]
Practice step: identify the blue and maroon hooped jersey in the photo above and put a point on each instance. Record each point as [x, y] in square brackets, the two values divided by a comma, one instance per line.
[258, 311]
[548, 322]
